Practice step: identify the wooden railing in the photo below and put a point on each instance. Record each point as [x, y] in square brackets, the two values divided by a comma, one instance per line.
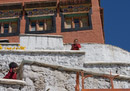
[110, 77]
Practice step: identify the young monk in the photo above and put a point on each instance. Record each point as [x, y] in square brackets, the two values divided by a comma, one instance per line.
[12, 72]
[76, 45]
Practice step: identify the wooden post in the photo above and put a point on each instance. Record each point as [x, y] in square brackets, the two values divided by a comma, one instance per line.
[77, 82]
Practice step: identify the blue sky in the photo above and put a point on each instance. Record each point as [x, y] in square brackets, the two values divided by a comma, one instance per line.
[117, 22]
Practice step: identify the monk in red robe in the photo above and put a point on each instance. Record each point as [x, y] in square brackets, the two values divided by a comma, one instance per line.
[76, 45]
[12, 72]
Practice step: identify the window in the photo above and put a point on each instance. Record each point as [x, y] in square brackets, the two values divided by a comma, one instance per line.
[84, 21]
[68, 23]
[49, 24]
[33, 26]
[41, 25]
[76, 22]
[6, 28]
[14, 27]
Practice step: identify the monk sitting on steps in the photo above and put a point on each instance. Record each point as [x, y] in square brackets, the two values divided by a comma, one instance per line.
[12, 72]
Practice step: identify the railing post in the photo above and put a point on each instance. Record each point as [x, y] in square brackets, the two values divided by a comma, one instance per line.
[84, 77]
[111, 79]
[77, 82]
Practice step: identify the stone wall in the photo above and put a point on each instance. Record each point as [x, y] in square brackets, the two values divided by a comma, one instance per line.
[55, 70]
[46, 77]
[66, 58]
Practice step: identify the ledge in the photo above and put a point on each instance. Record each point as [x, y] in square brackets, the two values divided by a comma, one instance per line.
[44, 51]
[106, 63]
[38, 35]
[71, 69]
[9, 43]
[12, 82]
[106, 45]
[4, 40]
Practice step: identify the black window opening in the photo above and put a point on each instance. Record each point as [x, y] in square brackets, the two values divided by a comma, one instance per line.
[6, 28]
[76, 22]
[33, 26]
[40, 25]
[9, 27]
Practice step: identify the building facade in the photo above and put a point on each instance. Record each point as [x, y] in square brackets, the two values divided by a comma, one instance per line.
[74, 19]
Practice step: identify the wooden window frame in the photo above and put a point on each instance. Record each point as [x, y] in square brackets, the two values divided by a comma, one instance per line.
[10, 29]
[30, 28]
[45, 30]
[37, 24]
[79, 18]
[82, 27]
[4, 27]
[47, 24]
[71, 22]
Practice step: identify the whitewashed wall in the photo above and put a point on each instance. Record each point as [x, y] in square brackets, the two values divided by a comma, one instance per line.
[66, 58]
[97, 59]
[103, 53]
[41, 42]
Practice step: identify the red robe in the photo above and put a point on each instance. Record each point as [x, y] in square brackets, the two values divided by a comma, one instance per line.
[75, 46]
[11, 75]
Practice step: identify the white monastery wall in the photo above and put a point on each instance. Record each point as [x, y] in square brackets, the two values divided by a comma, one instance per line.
[66, 58]
[50, 66]
[103, 53]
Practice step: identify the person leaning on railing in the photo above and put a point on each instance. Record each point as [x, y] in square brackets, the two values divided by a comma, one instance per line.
[76, 45]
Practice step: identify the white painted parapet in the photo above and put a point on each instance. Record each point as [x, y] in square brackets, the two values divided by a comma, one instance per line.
[105, 53]
[41, 42]
[102, 53]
